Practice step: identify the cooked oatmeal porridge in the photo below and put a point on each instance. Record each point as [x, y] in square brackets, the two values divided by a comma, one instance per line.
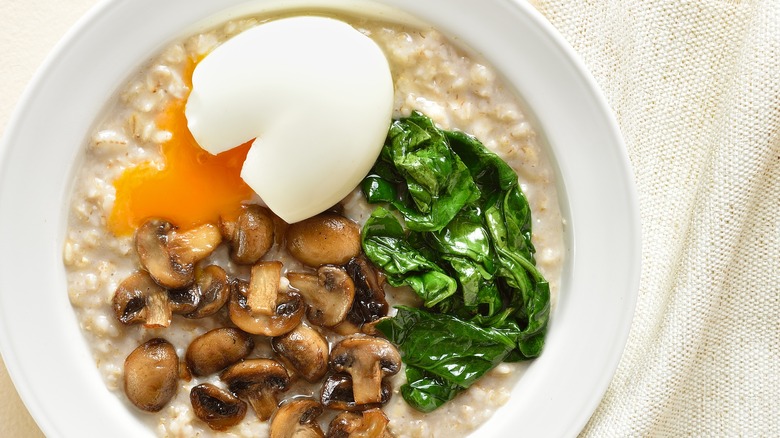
[431, 75]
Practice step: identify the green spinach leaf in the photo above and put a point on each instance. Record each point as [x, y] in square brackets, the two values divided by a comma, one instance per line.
[463, 244]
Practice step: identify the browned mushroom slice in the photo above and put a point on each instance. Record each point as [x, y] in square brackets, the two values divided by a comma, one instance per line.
[139, 299]
[184, 301]
[347, 327]
[287, 314]
[151, 374]
[368, 424]
[217, 407]
[195, 244]
[305, 350]
[297, 419]
[213, 288]
[324, 239]
[169, 255]
[258, 381]
[370, 303]
[328, 295]
[217, 349]
[251, 235]
[368, 360]
[337, 393]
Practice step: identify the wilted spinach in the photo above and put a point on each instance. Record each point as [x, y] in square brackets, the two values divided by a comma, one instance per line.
[463, 244]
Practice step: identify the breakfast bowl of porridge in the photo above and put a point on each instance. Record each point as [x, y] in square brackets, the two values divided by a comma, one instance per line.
[314, 218]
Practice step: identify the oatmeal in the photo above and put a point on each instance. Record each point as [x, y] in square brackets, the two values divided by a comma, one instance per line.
[455, 89]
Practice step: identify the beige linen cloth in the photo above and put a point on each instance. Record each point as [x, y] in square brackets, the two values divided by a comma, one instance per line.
[695, 87]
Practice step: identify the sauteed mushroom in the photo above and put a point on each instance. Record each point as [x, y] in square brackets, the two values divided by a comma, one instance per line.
[169, 255]
[212, 286]
[367, 360]
[327, 238]
[258, 381]
[328, 295]
[297, 419]
[337, 393]
[183, 301]
[139, 299]
[266, 319]
[250, 235]
[217, 407]
[217, 349]
[371, 423]
[151, 374]
[369, 304]
[305, 350]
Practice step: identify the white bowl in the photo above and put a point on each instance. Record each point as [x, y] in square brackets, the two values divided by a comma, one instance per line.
[40, 338]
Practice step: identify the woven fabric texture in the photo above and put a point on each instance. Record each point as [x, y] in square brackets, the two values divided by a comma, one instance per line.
[695, 87]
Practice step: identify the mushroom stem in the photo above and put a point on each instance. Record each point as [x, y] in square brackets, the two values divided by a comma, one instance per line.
[158, 311]
[264, 287]
[367, 384]
[264, 403]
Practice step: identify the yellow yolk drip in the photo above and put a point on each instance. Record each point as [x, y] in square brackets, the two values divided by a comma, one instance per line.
[193, 188]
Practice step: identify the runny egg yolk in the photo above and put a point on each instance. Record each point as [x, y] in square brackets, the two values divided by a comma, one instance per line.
[192, 188]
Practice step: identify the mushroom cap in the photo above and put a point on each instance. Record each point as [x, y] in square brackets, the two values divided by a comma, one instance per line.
[328, 295]
[327, 238]
[184, 300]
[337, 393]
[169, 254]
[368, 360]
[288, 312]
[369, 304]
[305, 350]
[213, 288]
[139, 299]
[217, 407]
[151, 244]
[194, 244]
[217, 349]
[250, 235]
[151, 374]
[258, 380]
[297, 418]
[372, 423]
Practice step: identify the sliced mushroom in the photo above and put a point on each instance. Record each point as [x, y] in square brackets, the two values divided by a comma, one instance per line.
[217, 407]
[195, 244]
[297, 419]
[368, 360]
[337, 393]
[370, 303]
[324, 239]
[287, 314]
[250, 235]
[217, 349]
[328, 295]
[183, 301]
[139, 299]
[212, 286]
[258, 381]
[305, 350]
[368, 424]
[151, 374]
[169, 255]
[347, 327]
